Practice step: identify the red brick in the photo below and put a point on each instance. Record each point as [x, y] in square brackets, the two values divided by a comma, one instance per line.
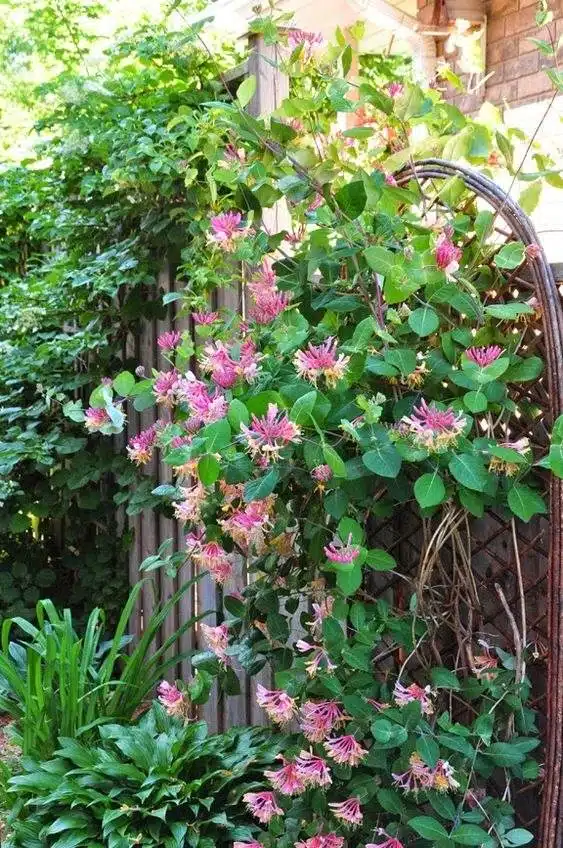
[500, 51]
[533, 86]
[495, 30]
[525, 3]
[504, 92]
[522, 66]
[500, 8]
[525, 45]
[519, 21]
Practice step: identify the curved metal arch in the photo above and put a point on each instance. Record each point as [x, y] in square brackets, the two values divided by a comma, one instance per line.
[551, 823]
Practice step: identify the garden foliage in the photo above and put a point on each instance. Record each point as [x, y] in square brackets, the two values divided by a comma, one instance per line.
[161, 783]
[372, 364]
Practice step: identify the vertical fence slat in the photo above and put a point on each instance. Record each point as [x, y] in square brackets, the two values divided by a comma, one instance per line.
[131, 352]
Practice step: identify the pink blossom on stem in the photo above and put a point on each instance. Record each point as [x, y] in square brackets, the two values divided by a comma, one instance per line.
[246, 526]
[345, 749]
[214, 558]
[205, 407]
[320, 612]
[391, 181]
[226, 229]
[348, 811]
[322, 473]
[252, 844]
[217, 360]
[262, 805]
[204, 319]
[318, 719]
[328, 840]
[217, 640]
[319, 659]
[484, 356]
[403, 695]
[533, 251]
[337, 551]
[169, 341]
[249, 360]
[395, 89]
[278, 705]
[268, 435]
[433, 428]
[168, 694]
[165, 386]
[140, 447]
[189, 509]
[95, 419]
[286, 780]
[443, 777]
[313, 770]
[321, 361]
[447, 253]
[418, 776]
[233, 153]
[311, 41]
[389, 841]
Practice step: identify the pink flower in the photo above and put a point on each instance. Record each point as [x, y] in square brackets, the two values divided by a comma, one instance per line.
[328, 840]
[233, 153]
[418, 776]
[217, 640]
[140, 447]
[286, 780]
[268, 435]
[320, 612]
[213, 558]
[318, 661]
[433, 428]
[165, 386]
[322, 473]
[268, 301]
[252, 844]
[226, 229]
[403, 695]
[447, 253]
[310, 41]
[189, 509]
[321, 361]
[204, 319]
[316, 203]
[348, 811]
[247, 526]
[248, 360]
[225, 371]
[318, 719]
[484, 356]
[95, 419]
[389, 842]
[345, 749]
[168, 694]
[337, 551]
[205, 407]
[279, 706]
[169, 341]
[262, 805]
[395, 89]
[313, 770]
[443, 777]
[391, 181]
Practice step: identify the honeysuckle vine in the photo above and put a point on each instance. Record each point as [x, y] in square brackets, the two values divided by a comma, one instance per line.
[371, 363]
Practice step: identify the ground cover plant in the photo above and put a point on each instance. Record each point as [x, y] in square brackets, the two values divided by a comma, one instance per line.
[372, 363]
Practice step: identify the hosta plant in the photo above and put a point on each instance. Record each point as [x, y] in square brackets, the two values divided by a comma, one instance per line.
[380, 358]
[162, 783]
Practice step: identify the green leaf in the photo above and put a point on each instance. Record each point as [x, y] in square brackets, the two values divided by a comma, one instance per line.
[380, 560]
[428, 828]
[208, 469]
[238, 414]
[530, 197]
[525, 502]
[380, 259]
[510, 256]
[518, 836]
[471, 834]
[428, 750]
[475, 401]
[384, 459]
[336, 503]
[508, 311]
[303, 407]
[443, 678]
[528, 369]
[259, 489]
[429, 489]
[404, 359]
[351, 199]
[333, 460]
[349, 581]
[470, 471]
[124, 383]
[246, 91]
[217, 435]
[424, 321]
[399, 285]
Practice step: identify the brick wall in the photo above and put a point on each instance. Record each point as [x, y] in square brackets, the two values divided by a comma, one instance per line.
[515, 63]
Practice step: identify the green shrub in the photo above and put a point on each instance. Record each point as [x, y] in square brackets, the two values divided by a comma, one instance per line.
[161, 783]
[60, 684]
